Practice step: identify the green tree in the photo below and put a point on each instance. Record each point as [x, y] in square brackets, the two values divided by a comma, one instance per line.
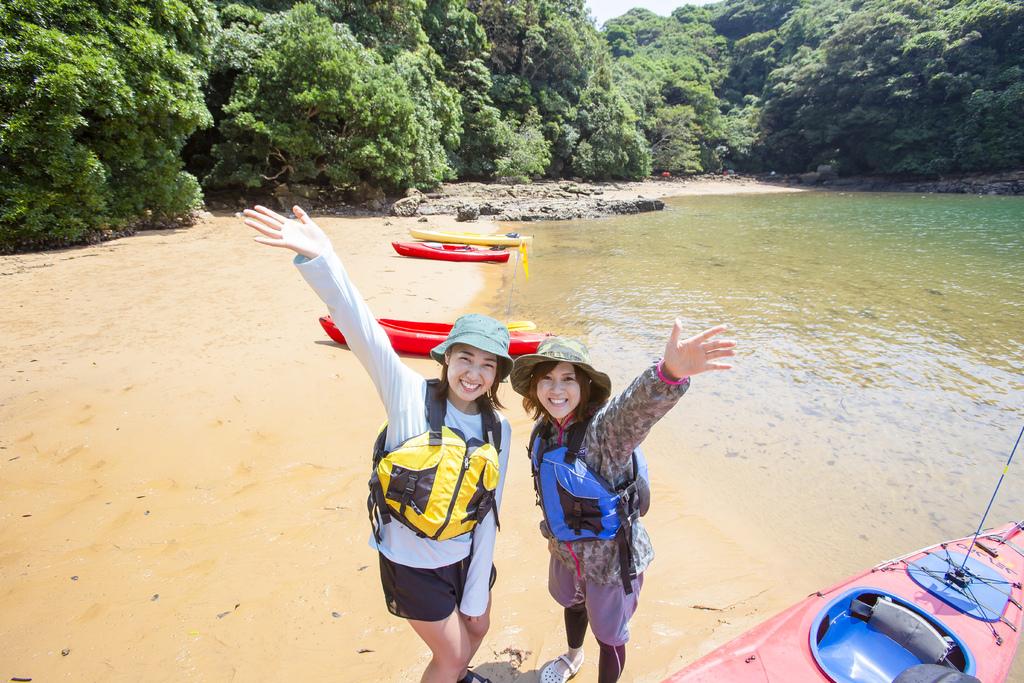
[737, 19]
[908, 87]
[461, 42]
[669, 71]
[610, 145]
[95, 105]
[525, 152]
[675, 143]
[542, 56]
[317, 107]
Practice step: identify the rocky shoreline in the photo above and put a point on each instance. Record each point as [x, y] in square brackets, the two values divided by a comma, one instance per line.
[545, 200]
[542, 201]
[1007, 183]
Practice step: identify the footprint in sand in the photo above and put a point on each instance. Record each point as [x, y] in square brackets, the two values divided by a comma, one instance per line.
[70, 453]
[95, 610]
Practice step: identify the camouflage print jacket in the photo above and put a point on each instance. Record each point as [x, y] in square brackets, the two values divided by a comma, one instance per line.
[614, 432]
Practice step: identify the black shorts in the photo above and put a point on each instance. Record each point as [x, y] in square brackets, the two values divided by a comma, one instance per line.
[424, 594]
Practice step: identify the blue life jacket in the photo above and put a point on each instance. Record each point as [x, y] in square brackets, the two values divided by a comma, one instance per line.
[579, 504]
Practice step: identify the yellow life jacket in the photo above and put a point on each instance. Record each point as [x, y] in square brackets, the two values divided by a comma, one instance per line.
[438, 483]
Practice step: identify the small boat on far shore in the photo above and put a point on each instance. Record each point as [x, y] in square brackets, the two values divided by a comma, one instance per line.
[451, 252]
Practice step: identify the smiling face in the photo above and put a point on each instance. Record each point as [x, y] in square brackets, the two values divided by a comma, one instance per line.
[558, 390]
[471, 373]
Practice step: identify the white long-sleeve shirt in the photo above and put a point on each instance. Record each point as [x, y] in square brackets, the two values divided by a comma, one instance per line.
[403, 392]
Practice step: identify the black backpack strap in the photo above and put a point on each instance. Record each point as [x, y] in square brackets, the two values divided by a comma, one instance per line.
[492, 435]
[577, 433]
[375, 504]
[627, 568]
[437, 406]
[540, 429]
[491, 427]
[629, 512]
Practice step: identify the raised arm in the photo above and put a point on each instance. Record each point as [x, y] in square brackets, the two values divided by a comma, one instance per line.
[627, 419]
[399, 387]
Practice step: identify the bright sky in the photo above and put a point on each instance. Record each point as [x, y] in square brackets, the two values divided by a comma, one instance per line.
[603, 10]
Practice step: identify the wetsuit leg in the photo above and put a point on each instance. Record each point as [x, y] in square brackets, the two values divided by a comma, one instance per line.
[576, 625]
[611, 663]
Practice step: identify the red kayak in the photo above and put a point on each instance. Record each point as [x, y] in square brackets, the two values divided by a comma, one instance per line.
[418, 338]
[450, 252]
[937, 614]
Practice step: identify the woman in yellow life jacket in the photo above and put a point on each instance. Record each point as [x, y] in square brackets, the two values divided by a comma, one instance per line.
[438, 466]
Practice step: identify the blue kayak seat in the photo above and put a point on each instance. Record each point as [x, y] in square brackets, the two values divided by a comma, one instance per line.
[933, 673]
[865, 635]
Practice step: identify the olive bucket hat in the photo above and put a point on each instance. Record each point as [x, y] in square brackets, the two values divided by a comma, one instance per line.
[561, 349]
[482, 332]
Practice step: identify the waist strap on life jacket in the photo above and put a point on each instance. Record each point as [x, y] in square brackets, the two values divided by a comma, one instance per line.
[578, 504]
[438, 483]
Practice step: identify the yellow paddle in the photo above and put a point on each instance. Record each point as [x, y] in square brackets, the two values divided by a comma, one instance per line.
[521, 326]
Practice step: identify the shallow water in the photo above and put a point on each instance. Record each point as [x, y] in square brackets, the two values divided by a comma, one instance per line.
[878, 385]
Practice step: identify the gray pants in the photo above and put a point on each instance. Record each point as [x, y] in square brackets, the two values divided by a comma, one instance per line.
[609, 609]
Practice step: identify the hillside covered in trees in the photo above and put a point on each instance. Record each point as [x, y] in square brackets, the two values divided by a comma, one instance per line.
[129, 110]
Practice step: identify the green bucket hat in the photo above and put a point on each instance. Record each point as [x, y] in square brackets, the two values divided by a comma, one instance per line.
[561, 349]
[482, 332]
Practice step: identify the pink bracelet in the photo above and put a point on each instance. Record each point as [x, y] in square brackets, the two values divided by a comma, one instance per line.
[665, 379]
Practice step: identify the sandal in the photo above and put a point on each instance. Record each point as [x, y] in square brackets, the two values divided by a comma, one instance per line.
[473, 677]
[560, 670]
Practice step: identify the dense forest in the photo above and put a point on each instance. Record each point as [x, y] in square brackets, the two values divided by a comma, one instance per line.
[127, 111]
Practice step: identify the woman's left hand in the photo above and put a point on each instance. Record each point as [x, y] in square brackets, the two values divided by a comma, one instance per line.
[689, 357]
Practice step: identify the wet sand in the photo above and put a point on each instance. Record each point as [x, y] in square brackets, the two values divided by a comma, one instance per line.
[183, 460]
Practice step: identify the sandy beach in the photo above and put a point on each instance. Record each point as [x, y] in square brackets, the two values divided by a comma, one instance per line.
[183, 456]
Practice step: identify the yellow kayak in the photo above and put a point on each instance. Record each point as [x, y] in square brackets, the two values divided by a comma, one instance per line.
[511, 239]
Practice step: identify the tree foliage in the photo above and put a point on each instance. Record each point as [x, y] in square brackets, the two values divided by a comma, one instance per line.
[95, 106]
[525, 152]
[671, 69]
[875, 86]
[546, 56]
[317, 107]
[904, 87]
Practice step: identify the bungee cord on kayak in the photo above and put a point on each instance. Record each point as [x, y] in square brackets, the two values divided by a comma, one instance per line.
[993, 498]
[971, 587]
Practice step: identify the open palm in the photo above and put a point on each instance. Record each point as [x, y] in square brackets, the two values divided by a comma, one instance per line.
[700, 353]
[300, 234]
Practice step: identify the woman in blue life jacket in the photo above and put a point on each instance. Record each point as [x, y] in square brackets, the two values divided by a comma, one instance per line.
[585, 460]
[442, 587]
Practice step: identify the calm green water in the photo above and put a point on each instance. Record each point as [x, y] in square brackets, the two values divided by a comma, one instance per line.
[880, 380]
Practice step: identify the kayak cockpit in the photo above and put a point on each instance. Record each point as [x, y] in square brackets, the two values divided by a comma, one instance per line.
[870, 636]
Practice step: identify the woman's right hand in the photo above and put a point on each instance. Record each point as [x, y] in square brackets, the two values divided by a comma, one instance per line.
[302, 236]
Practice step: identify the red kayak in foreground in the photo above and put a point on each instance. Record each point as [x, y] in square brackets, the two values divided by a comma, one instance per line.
[450, 252]
[934, 615]
[419, 337]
